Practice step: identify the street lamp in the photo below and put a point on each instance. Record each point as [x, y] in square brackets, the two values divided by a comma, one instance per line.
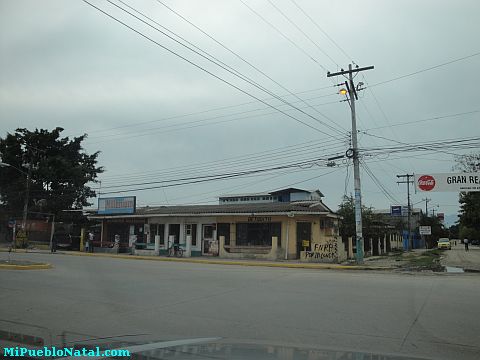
[2, 164]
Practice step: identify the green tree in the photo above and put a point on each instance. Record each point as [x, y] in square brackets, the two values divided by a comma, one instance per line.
[469, 201]
[373, 225]
[438, 229]
[60, 171]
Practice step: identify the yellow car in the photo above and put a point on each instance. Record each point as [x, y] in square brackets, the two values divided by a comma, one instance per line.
[444, 243]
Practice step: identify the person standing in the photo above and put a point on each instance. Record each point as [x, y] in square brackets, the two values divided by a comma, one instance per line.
[465, 241]
[54, 243]
[91, 237]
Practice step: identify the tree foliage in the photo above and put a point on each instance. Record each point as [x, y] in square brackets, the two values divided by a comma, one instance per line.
[373, 225]
[469, 201]
[60, 171]
[437, 228]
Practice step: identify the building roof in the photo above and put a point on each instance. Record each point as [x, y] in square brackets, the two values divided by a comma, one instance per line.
[291, 189]
[304, 207]
[244, 194]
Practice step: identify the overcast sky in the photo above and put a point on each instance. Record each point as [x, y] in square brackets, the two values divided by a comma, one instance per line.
[155, 116]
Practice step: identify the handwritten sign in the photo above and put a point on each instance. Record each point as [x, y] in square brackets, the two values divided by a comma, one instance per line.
[325, 251]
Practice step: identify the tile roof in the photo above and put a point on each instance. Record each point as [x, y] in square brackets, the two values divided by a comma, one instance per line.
[249, 208]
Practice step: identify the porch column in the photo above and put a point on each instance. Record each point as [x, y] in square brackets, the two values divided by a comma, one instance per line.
[188, 246]
[350, 248]
[157, 245]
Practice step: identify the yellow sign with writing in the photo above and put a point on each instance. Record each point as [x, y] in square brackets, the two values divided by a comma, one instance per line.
[21, 239]
[306, 243]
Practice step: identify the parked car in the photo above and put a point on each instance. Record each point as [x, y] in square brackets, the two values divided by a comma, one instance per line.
[444, 243]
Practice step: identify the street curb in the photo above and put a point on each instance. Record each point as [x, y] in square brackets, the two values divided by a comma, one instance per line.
[26, 267]
[226, 262]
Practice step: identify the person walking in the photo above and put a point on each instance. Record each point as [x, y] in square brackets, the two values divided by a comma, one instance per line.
[465, 241]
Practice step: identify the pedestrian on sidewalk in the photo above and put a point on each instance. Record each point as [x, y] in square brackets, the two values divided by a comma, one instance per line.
[54, 243]
[465, 241]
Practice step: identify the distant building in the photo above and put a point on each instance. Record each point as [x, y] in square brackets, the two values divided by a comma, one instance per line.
[284, 195]
[401, 219]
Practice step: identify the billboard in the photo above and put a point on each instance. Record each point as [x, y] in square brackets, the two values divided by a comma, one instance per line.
[116, 205]
[455, 182]
[396, 210]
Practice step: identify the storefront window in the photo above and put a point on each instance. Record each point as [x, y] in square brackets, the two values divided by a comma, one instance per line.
[257, 234]
[174, 229]
[191, 229]
[157, 229]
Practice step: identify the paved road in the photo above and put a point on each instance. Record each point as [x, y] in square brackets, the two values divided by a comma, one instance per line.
[458, 257]
[432, 316]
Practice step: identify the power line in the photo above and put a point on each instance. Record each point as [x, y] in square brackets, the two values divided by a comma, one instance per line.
[256, 157]
[202, 68]
[205, 172]
[304, 34]
[379, 184]
[244, 60]
[283, 35]
[213, 110]
[304, 162]
[426, 69]
[433, 146]
[319, 28]
[425, 120]
[185, 125]
[194, 180]
[218, 62]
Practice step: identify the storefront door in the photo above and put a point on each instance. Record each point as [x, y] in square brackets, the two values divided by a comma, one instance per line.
[304, 236]
[209, 243]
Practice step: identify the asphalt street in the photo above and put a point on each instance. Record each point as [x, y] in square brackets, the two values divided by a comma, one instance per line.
[426, 315]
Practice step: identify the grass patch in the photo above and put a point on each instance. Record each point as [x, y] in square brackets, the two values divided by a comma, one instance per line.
[427, 260]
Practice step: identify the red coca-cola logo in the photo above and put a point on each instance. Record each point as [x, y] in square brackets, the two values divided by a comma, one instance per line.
[426, 182]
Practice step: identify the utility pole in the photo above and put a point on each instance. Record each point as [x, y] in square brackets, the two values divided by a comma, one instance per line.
[352, 96]
[27, 194]
[427, 200]
[408, 182]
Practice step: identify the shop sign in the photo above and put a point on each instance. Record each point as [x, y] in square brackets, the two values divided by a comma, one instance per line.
[117, 205]
[446, 182]
[259, 219]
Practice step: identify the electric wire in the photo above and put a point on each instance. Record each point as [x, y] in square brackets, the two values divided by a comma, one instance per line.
[245, 61]
[303, 32]
[221, 64]
[284, 36]
[203, 69]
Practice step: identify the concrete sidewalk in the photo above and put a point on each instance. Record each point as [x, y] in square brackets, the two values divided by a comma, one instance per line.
[218, 261]
[458, 257]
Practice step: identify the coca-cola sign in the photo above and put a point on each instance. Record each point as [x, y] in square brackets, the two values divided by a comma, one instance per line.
[426, 182]
[463, 182]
